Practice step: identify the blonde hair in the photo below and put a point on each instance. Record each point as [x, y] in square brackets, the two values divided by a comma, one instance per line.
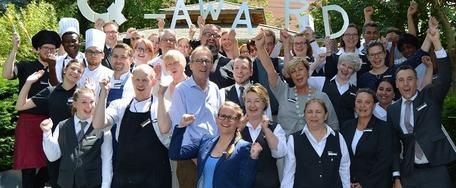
[295, 61]
[76, 96]
[173, 55]
[240, 114]
[261, 91]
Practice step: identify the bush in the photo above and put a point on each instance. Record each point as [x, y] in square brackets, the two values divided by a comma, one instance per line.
[449, 121]
[28, 20]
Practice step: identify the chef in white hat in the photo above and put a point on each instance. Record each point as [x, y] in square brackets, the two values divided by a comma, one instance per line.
[69, 31]
[95, 41]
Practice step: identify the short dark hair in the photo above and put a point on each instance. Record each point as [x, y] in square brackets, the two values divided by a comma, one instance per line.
[407, 38]
[245, 58]
[125, 47]
[405, 67]
[375, 43]
[368, 91]
[370, 24]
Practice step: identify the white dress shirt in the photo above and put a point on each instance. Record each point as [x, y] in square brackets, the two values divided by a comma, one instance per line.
[356, 138]
[281, 150]
[290, 159]
[379, 112]
[52, 150]
[116, 111]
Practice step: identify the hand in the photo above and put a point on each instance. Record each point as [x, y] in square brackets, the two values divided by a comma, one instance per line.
[186, 120]
[161, 23]
[16, 41]
[259, 40]
[99, 23]
[104, 85]
[426, 60]
[89, 83]
[309, 34]
[368, 11]
[243, 123]
[329, 44]
[320, 58]
[392, 37]
[284, 37]
[384, 41]
[255, 150]
[265, 122]
[433, 23]
[50, 59]
[397, 184]
[232, 35]
[46, 125]
[355, 185]
[157, 70]
[130, 32]
[412, 8]
[201, 22]
[35, 76]
[191, 31]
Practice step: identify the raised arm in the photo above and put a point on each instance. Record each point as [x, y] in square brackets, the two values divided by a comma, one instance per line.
[234, 41]
[368, 12]
[265, 59]
[99, 117]
[51, 146]
[8, 66]
[23, 102]
[287, 46]
[176, 150]
[161, 25]
[426, 60]
[164, 121]
[410, 13]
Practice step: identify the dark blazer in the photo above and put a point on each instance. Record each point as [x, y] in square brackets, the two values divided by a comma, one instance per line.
[427, 111]
[237, 170]
[231, 95]
[105, 62]
[371, 164]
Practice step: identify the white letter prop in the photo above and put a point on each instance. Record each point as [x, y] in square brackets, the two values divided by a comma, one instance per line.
[114, 12]
[303, 18]
[244, 8]
[180, 5]
[326, 20]
[214, 12]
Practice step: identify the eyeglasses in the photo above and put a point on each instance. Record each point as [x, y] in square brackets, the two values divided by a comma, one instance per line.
[111, 32]
[201, 61]
[378, 54]
[171, 40]
[214, 35]
[49, 49]
[142, 50]
[350, 35]
[228, 117]
[92, 53]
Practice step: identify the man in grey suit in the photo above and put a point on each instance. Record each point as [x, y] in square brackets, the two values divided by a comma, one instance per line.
[416, 119]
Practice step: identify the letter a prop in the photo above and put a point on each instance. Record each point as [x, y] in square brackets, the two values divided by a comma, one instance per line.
[180, 5]
[326, 20]
[243, 9]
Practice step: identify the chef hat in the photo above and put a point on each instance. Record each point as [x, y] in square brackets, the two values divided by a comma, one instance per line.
[46, 37]
[95, 38]
[68, 25]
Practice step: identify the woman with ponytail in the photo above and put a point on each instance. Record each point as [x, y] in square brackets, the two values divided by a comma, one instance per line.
[223, 161]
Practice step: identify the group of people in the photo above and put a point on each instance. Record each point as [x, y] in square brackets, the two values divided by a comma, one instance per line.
[204, 112]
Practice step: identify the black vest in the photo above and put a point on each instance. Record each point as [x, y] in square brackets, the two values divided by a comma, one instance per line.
[312, 170]
[344, 104]
[267, 175]
[80, 163]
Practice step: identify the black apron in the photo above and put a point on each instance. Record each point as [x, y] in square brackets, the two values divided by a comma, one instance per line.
[141, 160]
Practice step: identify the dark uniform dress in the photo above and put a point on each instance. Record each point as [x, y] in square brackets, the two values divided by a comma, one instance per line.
[344, 104]
[141, 159]
[267, 175]
[28, 150]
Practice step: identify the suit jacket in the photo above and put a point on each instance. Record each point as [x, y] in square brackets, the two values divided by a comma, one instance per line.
[371, 164]
[237, 170]
[105, 62]
[427, 111]
[231, 95]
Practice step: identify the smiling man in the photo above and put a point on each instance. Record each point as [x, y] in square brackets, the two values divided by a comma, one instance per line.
[242, 71]
[202, 98]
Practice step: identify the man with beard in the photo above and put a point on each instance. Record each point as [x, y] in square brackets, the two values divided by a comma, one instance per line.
[94, 72]
[28, 152]
[121, 85]
[69, 30]
[202, 98]
[221, 71]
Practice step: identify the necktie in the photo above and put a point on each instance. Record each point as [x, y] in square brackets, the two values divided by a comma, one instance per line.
[81, 132]
[241, 93]
[408, 112]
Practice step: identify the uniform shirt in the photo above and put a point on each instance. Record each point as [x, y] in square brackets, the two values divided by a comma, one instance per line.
[62, 61]
[22, 70]
[189, 98]
[379, 112]
[278, 132]
[101, 72]
[290, 160]
[51, 148]
[116, 111]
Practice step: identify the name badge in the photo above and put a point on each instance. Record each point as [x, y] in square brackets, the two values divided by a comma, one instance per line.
[388, 76]
[367, 130]
[292, 100]
[143, 124]
[44, 83]
[421, 107]
[330, 153]
[91, 137]
[351, 93]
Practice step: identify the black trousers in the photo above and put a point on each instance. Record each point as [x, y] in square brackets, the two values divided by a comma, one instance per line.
[435, 177]
[31, 178]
